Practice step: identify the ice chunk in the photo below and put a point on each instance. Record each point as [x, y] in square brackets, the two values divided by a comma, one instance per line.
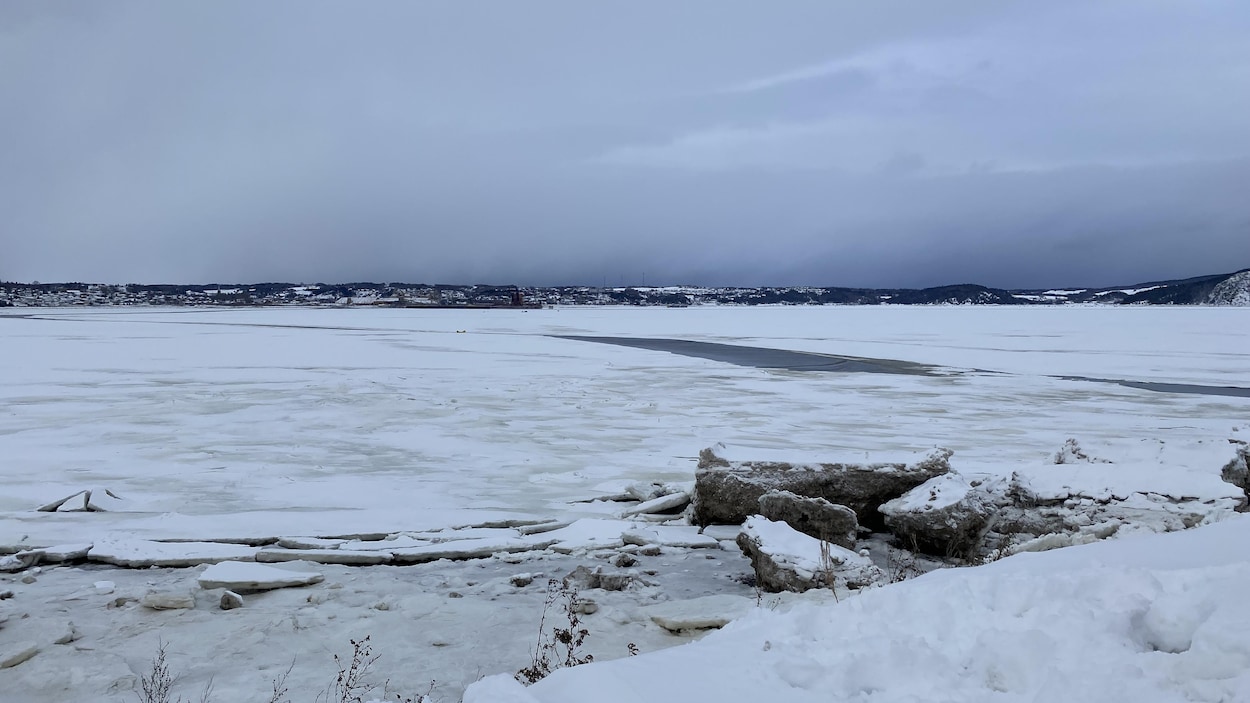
[246, 576]
[670, 536]
[699, 613]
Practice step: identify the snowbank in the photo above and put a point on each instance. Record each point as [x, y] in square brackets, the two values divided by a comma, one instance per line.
[1151, 619]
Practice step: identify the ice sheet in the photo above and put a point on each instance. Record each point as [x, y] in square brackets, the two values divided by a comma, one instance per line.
[331, 423]
[326, 422]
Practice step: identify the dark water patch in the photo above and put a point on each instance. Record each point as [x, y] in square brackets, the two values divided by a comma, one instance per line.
[1185, 388]
[765, 358]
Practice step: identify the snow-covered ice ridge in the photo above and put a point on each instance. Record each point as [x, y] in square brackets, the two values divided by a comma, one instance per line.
[317, 434]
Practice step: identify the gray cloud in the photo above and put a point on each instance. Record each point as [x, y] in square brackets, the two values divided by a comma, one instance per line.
[883, 144]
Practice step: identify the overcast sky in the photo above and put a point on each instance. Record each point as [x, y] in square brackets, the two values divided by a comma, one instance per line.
[815, 142]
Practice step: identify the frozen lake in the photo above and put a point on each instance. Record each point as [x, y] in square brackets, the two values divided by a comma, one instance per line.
[263, 422]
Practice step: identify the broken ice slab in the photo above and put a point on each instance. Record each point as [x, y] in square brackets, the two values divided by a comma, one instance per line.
[97, 500]
[699, 613]
[142, 553]
[249, 576]
[470, 549]
[587, 533]
[670, 536]
[325, 556]
[309, 543]
[663, 504]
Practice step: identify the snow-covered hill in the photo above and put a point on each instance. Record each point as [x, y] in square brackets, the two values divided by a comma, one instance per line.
[1234, 290]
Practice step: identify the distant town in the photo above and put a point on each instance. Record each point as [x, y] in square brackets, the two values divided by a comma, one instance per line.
[1219, 289]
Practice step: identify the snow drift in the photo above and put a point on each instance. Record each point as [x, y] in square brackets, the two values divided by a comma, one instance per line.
[1150, 619]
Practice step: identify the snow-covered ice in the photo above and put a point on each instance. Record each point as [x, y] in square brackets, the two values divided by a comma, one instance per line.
[266, 423]
[381, 430]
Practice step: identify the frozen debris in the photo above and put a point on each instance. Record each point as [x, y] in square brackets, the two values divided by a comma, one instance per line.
[642, 491]
[309, 543]
[248, 576]
[104, 587]
[947, 515]
[521, 580]
[17, 652]
[230, 600]
[683, 536]
[325, 556]
[657, 517]
[785, 559]
[1055, 540]
[168, 600]
[816, 517]
[663, 504]
[728, 491]
[585, 578]
[1071, 453]
[141, 553]
[699, 613]
[68, 634]
[584, 606]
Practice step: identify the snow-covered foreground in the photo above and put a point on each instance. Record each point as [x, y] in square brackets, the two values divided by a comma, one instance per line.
[259, 424]
[1156, 619]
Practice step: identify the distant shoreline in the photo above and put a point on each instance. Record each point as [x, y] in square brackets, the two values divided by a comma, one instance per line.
[1217, 289]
